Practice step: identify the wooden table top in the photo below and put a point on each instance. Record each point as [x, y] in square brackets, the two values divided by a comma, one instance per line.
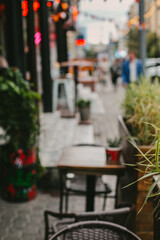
[89, 160]
[72, 63]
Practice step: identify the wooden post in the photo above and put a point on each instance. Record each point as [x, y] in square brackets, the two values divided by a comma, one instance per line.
[31, 56]
[14, 35]
[45, 58]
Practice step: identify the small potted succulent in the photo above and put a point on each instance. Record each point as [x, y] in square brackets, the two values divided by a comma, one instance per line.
[113, 149]
[84, 109]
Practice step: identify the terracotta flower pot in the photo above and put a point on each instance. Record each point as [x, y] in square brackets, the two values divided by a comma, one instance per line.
[113, 153]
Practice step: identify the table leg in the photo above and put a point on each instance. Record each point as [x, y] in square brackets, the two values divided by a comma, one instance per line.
[61, 192]
[90, 181]
[117, 192]
[76, 80]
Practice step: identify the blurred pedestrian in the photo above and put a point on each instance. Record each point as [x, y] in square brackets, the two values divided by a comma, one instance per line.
[103, 69]
[132, 69]
[116, 70]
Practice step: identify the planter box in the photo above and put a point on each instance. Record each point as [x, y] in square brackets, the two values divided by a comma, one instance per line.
[136, 192]
[156, 214]
[129, 155]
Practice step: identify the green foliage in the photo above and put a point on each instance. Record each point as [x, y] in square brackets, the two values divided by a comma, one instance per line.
[18, 109]
[90, 52]
[133, 41]
[152, 42]
[142, 104]
[83, 103]
[114, 142]
[153, 45]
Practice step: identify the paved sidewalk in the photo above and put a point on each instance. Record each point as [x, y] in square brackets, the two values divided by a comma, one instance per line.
[57, 133]
[25, 220]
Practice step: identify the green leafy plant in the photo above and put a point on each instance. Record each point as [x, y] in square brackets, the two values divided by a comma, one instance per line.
[18, 110]
[114, 142]
[142, 104]
[83, 103]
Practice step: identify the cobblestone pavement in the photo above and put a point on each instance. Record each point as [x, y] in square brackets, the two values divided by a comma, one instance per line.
[25, 220]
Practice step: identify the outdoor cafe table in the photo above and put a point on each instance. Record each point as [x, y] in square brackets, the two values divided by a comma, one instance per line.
[90, 161]
[75, 64]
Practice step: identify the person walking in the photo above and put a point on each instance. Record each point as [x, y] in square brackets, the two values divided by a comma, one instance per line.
[116, 70]
[103, 70]
[132, 69]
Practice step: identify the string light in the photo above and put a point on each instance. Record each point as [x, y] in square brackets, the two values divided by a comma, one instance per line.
[36, 6]
[55, 18]
[37, 38]
[25, 8]
[2, 8]
[148, 14]
[49, 4]
[64, 5]
[75, 12]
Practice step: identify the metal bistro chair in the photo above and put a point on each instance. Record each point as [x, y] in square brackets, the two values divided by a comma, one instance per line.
[76, 184]
[97, 230]
[56, 221]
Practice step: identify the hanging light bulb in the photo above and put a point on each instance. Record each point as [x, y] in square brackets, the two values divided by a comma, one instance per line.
[64, 6]
[36, 6]
[56, 18]
[49, 4]
[74, 13]
[62, 15]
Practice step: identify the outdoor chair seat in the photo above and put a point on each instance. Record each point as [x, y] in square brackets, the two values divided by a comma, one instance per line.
[54, 222]
[97, 230]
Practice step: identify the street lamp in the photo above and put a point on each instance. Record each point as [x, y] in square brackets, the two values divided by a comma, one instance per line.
[142, 32]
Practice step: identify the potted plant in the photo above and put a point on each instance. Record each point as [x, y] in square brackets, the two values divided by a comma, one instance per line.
[19, 121]
[141, 104]
[84, 109]
[113, 149]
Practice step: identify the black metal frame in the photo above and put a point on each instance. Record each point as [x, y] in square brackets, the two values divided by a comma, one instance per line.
[90, 186]
[56, 221]
[95, 230]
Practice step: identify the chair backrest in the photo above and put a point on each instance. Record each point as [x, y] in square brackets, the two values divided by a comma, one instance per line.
[97, 230]
[122, 216]
[52, 225]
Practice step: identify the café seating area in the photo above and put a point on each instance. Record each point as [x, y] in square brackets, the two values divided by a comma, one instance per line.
[55, 222]
[82, 168]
